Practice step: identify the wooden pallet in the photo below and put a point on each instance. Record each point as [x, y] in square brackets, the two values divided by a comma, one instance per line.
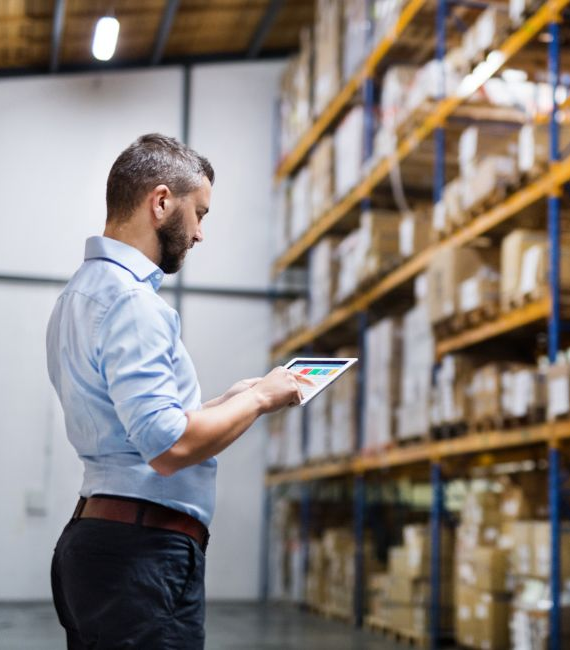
[476, 317]
[409, 637]
[449, 430]
[507, 422]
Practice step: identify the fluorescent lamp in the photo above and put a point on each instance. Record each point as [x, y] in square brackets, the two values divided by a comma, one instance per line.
[105, 38]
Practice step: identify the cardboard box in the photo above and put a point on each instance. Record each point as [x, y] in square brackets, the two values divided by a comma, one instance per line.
[356, 24]
[323, 274]
[450, 401]
[489, 178]
[485, 393]
[478, 142]
[414, 234]
[348, 151]
[480, 291]
[523, 391]
[491, 565]
[482, 619]
[328, 52]
[534, 147]
[522, 556]
[296, 94]
[445, 274]
[343, 413]
[513, 248]
[300, 203]
[558, 388]
[321, 166]
[541, 551]
[381, 245]
[382, 383]
[418, 352]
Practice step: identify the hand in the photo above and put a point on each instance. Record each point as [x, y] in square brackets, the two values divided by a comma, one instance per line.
[240, 386]
[280, 388]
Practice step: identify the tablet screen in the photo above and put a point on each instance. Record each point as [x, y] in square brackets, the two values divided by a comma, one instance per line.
[322, 372]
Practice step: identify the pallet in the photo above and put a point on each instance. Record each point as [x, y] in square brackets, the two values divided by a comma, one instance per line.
[408, 637]
[448, 327]
[449, 430]
[411, 441]
[507, 422]
[476, 317]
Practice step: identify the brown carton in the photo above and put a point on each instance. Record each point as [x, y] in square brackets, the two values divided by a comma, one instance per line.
[446, 272]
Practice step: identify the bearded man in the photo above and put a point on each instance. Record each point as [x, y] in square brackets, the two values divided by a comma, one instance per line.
[128, 569]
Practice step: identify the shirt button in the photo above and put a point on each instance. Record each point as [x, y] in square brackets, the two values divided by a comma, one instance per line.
[157, 276]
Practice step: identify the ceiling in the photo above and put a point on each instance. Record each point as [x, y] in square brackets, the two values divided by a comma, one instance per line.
[55, 35]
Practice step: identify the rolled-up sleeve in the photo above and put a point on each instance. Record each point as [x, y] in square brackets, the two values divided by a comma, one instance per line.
[136, 340]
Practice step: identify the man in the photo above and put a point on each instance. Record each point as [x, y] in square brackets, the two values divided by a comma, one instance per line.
[128, 569]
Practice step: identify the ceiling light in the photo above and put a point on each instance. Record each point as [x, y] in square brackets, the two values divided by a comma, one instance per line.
[105, 38]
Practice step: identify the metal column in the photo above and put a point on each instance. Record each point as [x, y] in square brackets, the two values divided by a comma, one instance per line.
[359, 484]
[436, 514]
[305, 486]
[554, 336]
[435, 561]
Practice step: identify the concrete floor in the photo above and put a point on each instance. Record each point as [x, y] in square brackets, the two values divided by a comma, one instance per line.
[229, 627]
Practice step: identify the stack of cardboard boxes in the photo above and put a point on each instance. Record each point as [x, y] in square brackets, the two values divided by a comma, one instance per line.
[323, 274]
[289, 317]
[368, 251]
[343, 413]
[382, 383]
[331, 571]
[328, 53]
[356, 25]
[295, 92]
[448, 271]
[322, 190]
[450, 404]
[418, 354]
[524, 267]
[400, 599]
[482, 592]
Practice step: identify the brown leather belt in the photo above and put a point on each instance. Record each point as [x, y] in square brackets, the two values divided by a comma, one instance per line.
[142, 513]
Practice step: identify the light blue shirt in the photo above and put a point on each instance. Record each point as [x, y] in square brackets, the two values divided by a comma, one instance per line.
[125, 379]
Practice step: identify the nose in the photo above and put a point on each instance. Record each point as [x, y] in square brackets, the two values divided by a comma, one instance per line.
[199, 236]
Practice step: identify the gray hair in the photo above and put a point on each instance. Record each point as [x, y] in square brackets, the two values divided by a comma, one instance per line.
[150, 161]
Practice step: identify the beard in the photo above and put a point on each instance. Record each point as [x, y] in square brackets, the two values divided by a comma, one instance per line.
[174, 242]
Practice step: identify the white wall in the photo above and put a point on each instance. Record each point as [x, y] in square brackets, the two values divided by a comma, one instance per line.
[232, 123]
[58, 138]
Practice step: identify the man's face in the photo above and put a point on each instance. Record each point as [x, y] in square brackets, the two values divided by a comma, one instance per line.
[183, 228]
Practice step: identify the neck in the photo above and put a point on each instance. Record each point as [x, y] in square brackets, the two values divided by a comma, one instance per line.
[144, 240]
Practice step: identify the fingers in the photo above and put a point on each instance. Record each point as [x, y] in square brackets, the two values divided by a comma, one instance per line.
[303, 379]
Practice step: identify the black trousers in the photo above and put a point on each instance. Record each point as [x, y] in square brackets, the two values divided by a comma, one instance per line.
[117, 586]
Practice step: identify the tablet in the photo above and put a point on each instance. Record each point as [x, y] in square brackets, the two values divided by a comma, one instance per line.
[322, 372]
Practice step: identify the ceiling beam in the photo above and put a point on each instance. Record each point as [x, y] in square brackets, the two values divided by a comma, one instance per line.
[170, 9]
[56, 33]
[264, 27]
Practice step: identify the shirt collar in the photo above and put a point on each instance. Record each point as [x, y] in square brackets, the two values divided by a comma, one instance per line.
[126, 256]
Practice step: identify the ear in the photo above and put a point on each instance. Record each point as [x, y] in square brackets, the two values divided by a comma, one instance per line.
[160, 200]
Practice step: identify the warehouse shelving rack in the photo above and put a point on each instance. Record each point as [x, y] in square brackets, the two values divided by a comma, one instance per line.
[436, 454]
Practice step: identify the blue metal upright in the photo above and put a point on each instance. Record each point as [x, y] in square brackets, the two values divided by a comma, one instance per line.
[554, 336]
[436, 514]
[305, 486]
[436, 521]
[359, 483]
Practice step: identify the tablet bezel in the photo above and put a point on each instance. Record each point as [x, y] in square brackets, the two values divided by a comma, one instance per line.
[348, 361]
